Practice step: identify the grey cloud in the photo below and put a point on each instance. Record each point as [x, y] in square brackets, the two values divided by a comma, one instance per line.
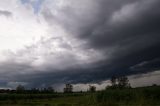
[5, 13]
[129, 28]
[95, 26]
[147, 65]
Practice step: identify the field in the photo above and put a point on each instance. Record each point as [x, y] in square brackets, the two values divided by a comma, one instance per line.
[146, 96]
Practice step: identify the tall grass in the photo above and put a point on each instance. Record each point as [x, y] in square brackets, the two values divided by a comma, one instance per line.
[146, 96]
[138, 96]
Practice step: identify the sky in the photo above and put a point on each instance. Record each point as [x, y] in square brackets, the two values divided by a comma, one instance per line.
[53, 42]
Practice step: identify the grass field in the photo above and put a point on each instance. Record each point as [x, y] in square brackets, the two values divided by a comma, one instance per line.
[146, 96]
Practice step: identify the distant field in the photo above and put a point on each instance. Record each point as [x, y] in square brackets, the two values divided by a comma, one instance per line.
[146, 96]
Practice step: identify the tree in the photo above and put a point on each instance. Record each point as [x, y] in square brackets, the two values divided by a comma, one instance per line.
[123, 82]
[120, 82]
[20, 88]
[50, 89]
[92, 88]
[68, 88]
[113, 81]
[154, 85]
[35, 90]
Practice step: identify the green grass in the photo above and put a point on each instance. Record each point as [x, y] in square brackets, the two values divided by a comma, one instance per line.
[146, 96]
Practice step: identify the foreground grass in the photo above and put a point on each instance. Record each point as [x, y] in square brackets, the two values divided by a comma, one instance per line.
[147, 96]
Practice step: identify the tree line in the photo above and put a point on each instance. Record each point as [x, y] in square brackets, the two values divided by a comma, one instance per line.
[119, 82]
[116, 83]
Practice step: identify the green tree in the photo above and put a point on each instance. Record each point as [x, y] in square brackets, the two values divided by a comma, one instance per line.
[113, 81]
[20, 88]
[92, 88]
[68, 88]
[50, 89]
[123, 82]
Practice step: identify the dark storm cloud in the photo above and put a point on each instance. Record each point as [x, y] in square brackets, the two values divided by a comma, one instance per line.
[129, 28]
[5, 13]
[137, 23]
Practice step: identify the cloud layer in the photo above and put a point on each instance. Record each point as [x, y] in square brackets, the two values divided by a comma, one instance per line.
[77, 41]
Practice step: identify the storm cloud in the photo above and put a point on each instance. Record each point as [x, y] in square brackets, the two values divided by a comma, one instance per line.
[86, 41]
[127, 30]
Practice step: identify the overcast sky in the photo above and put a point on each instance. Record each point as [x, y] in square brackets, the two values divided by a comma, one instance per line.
[53, 42]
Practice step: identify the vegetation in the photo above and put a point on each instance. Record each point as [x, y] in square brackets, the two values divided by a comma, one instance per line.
[92, 88]
[68, 88]
[118, 94]
[20, 88]
[120, 82]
